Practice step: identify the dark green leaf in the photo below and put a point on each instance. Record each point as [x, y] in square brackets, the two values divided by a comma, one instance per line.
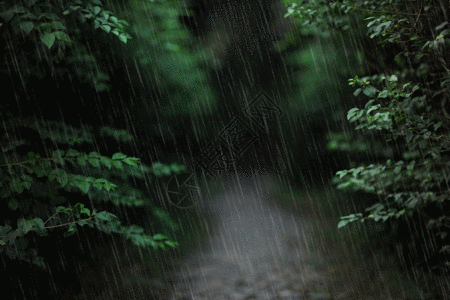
[58, 157]
[63, 36]
[13, 204]
[49, 16]
[72, 153]
[24, 226]
[26, 27]
[48, 39]
[94, 162]
[84, 186]
[117, 164]
[106, 161]
[69, 232]
[81, 160]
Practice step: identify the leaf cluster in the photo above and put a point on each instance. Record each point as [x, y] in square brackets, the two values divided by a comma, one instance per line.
[402, 110]
[27, 180]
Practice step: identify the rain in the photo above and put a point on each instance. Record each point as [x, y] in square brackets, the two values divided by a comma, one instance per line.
[199, 149]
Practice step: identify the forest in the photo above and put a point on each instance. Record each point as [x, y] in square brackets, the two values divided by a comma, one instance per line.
[195, 149]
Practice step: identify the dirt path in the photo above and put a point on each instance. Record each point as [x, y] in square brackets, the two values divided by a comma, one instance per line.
[252, 246]
[254, 250]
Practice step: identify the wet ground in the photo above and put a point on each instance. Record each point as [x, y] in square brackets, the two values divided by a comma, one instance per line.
[256, 246]
[255, 250]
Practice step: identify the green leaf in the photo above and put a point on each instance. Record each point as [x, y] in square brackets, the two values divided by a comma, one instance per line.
[124, 22]
[63, 36]
[132, 161]
[58, 157]
[352, 112]
[104, 215]
[372, 108]
[172, 244]
[159, 236]
[106, 28]
[38, 223]
[84, 186]
[117, 164]
[113, 19]
[97, 2]
[72, 9]
[369, 91]
[118, 156]
[393, 78]
[24, 226]
[7, 15]
[342, 223]
[97, 9]
[441, 25]
[48, 39]
[49, 16]
[26, 27]
[357, 171]
[106, 161]
[81, 160]
[69, 232]
[72, 153]
[123, 38]
[13, 204]
[94, 154]
[94, 162]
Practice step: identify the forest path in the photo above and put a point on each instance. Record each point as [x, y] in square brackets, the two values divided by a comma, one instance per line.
[254, 249]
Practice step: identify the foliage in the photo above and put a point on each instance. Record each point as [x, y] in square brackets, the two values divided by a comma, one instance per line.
[33, 23]
[52, 181]
[408, 113]
[41, 17]
[170, 58]
[29, 182]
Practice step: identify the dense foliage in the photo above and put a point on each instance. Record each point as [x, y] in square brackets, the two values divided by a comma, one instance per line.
[66, 157]
[405, 121]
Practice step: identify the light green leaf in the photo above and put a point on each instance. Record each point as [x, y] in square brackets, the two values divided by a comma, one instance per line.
[97, 9]
[132, 161]
[106, 28]
[123, 38]
[159, 236]
[342, 223]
